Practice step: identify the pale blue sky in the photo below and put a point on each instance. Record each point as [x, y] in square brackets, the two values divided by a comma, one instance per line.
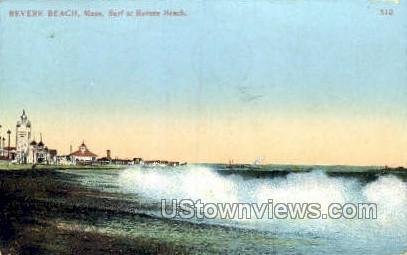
[289, 58]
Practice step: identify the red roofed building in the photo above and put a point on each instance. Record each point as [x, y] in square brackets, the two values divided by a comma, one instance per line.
[83, 155]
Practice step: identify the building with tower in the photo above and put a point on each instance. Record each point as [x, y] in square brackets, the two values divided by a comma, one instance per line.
[83, 156]
[39, 153]
[26, 149]
[23, 138]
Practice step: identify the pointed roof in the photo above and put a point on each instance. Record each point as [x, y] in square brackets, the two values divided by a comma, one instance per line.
[23, 116]
[24, 120]
[41, 143]
[83, 151]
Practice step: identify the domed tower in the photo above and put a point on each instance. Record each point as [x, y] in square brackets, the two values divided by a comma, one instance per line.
[83, 147]
[23, 138]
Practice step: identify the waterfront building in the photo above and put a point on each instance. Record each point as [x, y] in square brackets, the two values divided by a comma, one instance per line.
[23, 137]
[108, 160]
[105, 160]
[161, 163]
[9, 153]
[38, 153]
[26, 150]
[118, 161]
[64, 160]
[137, 161]
[83, 156]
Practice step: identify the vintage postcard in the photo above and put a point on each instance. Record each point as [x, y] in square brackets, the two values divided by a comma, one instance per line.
[203, 127]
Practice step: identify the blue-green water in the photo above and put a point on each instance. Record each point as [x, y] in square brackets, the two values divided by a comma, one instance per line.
[143, 189]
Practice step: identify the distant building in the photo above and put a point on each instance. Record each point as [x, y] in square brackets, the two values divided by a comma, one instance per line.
[9, 153]
[161, 163]
[105, 160]
[23, 137]
[38, 153]
[27, 150]
[137, 161]
[118, 161]
[64, 160]
[83, 155]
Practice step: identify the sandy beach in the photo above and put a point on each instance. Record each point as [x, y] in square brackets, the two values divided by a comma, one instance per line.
[33, 204]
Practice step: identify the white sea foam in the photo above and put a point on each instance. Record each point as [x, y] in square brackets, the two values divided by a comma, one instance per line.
[390, 194]
[201, 182]
[185, 183]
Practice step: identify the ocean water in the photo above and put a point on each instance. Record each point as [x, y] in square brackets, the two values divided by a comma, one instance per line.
[144, 188]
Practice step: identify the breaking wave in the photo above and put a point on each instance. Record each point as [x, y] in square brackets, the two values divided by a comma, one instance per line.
[208, 185]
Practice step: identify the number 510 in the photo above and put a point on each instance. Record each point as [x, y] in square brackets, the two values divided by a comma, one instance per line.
[386, 12]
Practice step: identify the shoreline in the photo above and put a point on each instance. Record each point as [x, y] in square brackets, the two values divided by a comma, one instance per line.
[5, 166]
[49, 212]
[9, 166]
[44, 212]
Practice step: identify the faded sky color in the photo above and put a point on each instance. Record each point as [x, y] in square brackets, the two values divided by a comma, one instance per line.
[313, 82]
